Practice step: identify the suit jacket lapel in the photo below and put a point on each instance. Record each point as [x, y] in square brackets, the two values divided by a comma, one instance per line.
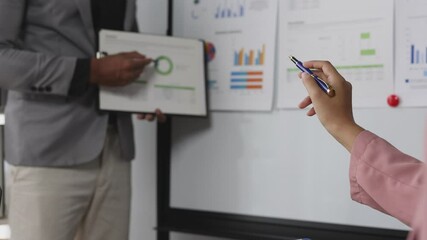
[85, 9]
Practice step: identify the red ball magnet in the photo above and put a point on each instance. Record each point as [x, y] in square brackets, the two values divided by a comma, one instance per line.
[393, 100]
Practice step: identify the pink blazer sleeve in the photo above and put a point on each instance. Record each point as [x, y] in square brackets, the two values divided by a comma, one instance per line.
[384, 178]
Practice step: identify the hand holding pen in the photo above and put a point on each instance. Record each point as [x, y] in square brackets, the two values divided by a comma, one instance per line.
[322, 84]
[335, 113]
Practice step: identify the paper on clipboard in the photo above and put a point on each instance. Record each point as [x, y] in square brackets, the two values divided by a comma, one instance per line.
[175, 82]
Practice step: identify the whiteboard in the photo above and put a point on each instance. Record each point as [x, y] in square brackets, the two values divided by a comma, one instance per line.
[279, 164]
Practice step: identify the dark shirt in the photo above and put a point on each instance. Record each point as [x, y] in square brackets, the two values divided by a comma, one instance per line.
[106, 14]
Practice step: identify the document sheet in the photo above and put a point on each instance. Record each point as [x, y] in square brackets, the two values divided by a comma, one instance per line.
[241, 42]
[355, 36]
[175, 82]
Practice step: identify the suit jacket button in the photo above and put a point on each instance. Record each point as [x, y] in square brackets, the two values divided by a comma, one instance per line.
[33, 88]
[48, 89]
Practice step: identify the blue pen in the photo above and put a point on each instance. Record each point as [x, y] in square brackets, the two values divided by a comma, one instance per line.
[322, 84]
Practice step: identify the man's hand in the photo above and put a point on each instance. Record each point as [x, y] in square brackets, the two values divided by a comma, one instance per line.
[151, 117]
[118, 70]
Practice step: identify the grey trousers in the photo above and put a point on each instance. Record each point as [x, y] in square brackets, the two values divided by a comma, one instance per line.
[86, 202]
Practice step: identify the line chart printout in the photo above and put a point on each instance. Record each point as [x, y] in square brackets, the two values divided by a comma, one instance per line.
[175, 82]
[240, 40]
[355, 36]
[411, 52]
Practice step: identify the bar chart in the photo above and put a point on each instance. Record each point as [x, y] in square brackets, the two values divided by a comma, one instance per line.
[231, 9]
[249, 58]
[246, 80]
[418, 55]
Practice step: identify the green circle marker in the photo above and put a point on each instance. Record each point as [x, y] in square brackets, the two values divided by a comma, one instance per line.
[168, 62]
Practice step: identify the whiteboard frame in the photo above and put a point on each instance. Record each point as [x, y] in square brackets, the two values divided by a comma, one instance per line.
[237, 226]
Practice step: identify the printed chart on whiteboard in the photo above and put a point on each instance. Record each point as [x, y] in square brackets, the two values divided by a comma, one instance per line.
[240, 41]
[359, 42]
[411, 52]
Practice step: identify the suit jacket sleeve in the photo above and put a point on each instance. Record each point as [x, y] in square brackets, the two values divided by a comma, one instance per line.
[384, 178]
[25, 70]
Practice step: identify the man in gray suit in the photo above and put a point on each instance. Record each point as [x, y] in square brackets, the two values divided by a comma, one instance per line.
[71, 161]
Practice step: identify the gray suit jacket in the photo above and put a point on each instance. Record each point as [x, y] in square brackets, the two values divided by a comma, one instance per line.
[40, 41]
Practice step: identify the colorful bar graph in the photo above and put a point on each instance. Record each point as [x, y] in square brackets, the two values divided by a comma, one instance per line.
[247, 80]
[248, 73]
[247, 87]
[418, 56]
[228, 9]
[243, 58]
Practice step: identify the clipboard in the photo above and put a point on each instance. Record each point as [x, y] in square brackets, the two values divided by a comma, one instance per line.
[175, 82]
